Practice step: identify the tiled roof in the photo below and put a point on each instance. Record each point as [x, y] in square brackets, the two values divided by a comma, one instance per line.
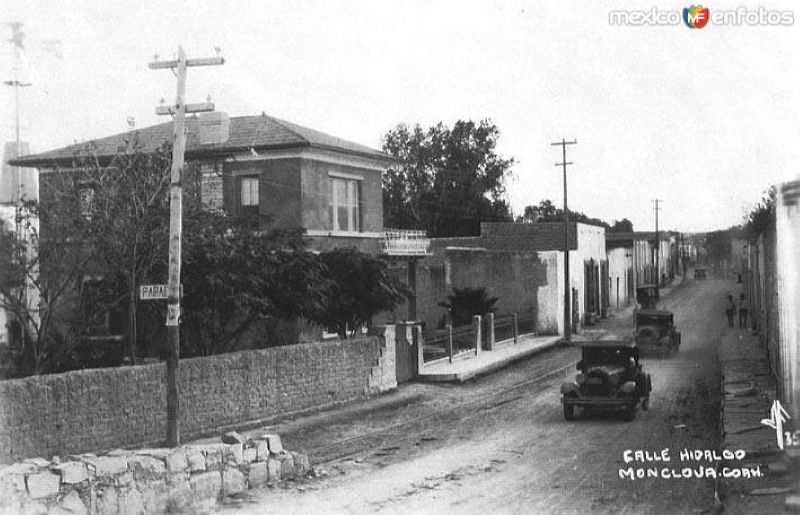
[260, 132]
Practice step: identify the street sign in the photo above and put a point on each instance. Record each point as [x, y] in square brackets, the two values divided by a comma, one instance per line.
[154, 291]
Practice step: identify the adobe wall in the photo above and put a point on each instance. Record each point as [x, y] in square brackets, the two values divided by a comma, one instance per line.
[524, 282]
[94, 410]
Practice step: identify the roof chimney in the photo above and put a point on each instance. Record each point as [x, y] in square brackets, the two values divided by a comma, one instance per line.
[214, 128]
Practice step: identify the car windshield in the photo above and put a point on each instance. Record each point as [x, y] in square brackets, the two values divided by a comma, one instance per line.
[607, 356]
[657, 320]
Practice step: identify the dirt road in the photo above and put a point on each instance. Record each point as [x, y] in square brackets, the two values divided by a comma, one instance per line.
[500, 444]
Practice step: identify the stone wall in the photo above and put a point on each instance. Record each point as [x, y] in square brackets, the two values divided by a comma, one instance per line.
[94, 410]
[148, 480]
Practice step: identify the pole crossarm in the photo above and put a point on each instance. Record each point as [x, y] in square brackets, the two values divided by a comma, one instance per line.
[198, 61]
[203, 107]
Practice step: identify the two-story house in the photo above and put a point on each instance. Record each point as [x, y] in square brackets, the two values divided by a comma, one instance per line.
[260, 165]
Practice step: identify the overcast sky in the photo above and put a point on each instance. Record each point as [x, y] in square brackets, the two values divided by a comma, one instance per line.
[705, 119]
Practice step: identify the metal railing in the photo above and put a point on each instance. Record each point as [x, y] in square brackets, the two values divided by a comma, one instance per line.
[402, 242]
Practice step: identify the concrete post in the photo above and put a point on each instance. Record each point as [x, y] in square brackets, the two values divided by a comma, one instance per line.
[450, 342]
[476, 328]
[516, 327]
[418, 343]
[489, 331]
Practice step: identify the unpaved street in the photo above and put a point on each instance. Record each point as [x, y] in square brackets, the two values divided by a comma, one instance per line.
[500, 443]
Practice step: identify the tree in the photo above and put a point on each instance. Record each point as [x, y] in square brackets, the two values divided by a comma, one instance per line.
[448, 179]
[125, 204]
[465, 303]
[359, 286]
[236, 276]
[40, 285]
[546, 211]
[761, 217]
[623, 225]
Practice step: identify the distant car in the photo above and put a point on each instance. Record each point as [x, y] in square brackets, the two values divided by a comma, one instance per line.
[647, 296]
[610, 377]
[700, 273]
[655, 329]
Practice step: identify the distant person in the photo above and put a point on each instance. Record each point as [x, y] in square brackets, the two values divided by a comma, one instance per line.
[742, 312]
[730, 310]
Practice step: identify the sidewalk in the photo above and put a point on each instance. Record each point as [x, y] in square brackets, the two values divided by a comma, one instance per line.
[504, 354]
[749, 390]
[615, 326]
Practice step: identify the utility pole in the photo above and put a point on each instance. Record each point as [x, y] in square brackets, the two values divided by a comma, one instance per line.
[657, 208]
[179, 111]
[17, 39]
[567, 303]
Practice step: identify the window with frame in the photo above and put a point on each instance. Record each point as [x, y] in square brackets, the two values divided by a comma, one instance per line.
[248, 195]
[345, 204]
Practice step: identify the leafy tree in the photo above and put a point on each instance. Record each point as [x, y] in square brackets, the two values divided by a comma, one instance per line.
[448, 179]
[465, 303]
[236, 276]
[623, 225]
[546, 211]
[761, 217]
[359, 286]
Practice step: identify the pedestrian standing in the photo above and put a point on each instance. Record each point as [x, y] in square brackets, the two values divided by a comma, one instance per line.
[730, 310]
[742, 312]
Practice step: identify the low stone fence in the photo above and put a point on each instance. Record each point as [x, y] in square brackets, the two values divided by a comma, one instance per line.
[101, 409]
[147, 480]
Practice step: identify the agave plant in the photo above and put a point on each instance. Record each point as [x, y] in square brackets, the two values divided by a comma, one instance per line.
[464, 303]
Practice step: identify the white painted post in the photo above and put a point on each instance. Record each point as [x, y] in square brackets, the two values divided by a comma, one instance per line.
[476, 328]
[489, 331]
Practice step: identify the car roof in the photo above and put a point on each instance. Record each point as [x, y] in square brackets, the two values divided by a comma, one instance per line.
[657, 312]
[604, 344]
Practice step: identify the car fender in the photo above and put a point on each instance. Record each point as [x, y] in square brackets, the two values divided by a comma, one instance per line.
[567, 388]
[628, 388]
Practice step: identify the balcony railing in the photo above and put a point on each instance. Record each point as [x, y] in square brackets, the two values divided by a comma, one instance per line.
[401, 242]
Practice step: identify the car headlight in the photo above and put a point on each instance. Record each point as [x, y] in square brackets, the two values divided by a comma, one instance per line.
[580, 379]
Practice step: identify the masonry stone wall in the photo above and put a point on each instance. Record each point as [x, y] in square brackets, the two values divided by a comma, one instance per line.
[188, 479]
[93, 410]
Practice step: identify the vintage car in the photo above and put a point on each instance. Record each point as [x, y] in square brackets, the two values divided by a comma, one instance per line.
[610, 377]
[700, 273]
[647, 296]
[655, 330]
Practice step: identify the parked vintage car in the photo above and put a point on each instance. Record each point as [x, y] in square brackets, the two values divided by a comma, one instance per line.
[655, 330]
[647, 296]
[610, 376]
[700, 273]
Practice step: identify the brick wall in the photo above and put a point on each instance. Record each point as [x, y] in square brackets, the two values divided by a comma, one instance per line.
[91, 410]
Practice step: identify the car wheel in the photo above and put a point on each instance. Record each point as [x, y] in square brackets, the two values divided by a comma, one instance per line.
[646, 403]
[629, 412]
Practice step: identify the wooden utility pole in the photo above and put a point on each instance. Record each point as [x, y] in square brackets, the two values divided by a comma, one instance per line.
[179, 111]
[657, 208]
[567, 303]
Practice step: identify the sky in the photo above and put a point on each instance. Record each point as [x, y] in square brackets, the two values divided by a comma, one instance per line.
[705, 119]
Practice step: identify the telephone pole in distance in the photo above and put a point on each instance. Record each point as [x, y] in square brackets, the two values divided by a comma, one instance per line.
[567, 304]
[657, 208]
[178, 111]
